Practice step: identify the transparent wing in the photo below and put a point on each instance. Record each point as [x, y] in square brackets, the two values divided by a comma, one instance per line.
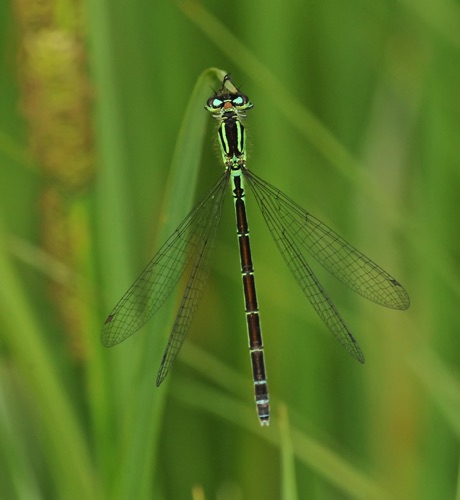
[341, 259]
[295, 230]
[155, 283]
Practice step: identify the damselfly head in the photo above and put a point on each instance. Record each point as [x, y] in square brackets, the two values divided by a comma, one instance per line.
[227, 99]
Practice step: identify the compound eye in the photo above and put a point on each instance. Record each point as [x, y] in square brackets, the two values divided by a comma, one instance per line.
[238, 101]
[214, 102]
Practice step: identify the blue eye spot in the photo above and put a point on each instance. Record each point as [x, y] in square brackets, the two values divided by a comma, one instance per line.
[217, 103]
[238, 101]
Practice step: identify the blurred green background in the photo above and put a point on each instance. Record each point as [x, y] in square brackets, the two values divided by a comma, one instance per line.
[356, 117]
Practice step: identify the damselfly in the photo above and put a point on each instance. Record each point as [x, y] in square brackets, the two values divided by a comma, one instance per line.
[295, 231]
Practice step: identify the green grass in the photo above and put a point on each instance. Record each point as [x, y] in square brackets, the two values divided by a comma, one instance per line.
[104, 148]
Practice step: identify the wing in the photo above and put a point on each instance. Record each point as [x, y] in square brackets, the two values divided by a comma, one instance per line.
[341, 259]
[155, 283]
